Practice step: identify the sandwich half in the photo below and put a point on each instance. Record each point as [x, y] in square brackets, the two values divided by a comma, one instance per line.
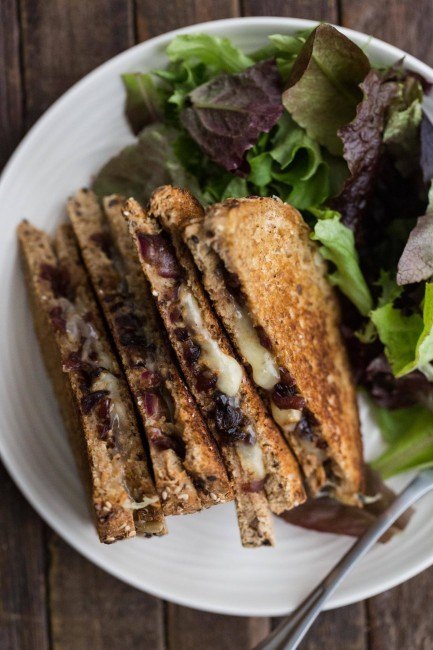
[92, 394]
[267, 282]
[264, 472]
[188, 469]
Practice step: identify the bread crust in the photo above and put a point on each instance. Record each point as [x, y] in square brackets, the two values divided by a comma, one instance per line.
[267, 245]
[183, 484]
[283, 485]
[111, 478]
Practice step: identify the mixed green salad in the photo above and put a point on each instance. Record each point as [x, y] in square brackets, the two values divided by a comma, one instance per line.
[310, 119]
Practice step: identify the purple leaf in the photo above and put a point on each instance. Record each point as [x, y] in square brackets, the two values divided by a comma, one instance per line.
[416, 261]
[362, 143]
[326, 515]
[228, 113]
[393, 393]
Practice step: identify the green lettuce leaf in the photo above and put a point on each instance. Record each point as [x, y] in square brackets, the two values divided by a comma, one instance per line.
[181, 78]
[410, 432]
[324, 213]
[394, 423]
[408, 340]
[399, 334]
[217, 53]
[139, 168]
[323, 89]
[260, 168]
[144, 100]
[338, 246]
[302, 192]
[289, 140]
[402, 131]
[286, 49]
[424, 346]
[390, 290]
[300, 174]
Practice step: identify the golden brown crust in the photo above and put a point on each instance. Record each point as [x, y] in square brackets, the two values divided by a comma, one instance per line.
[174, 478]
[109, 478]
[202, 458]
[284, 489]
[283, 484]
[283, 278]
[254, 517]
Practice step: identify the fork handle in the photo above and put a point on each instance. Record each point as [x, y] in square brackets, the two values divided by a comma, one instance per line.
[290, 632]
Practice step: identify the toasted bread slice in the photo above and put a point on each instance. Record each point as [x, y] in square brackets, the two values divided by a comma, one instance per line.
[91, 392]
[189, 471]
[248, 438]
[202, 459]
[268, 283]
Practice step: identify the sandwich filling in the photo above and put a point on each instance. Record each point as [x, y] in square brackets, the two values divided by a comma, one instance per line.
[153, 396]
[87, 359]
[217, 374]
[287, 406]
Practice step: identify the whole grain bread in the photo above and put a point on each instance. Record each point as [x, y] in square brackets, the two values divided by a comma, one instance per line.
[282, 275]
[116, 481]
[193, 475]
[283, 485]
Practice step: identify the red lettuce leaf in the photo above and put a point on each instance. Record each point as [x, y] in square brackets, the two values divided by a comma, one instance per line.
[228, 113]
[362, 145]
[323, 88]
[326, 515]
[392, 393]
[416, 261]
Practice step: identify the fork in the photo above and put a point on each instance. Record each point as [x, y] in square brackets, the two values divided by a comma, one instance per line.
[291, 631]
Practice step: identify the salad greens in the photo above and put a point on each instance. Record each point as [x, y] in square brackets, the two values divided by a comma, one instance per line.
[338, 246]
[324, 90]
[226, 115]
[309, 119]
[410, 434]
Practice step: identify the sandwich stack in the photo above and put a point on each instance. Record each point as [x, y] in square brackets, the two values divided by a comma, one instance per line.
[197, 359]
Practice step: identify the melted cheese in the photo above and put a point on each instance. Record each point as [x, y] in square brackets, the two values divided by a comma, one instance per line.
[287, 419]
[79, 329]
[227, 369]
[139, 505]
[264, 368]
[118, 416]
[251, 459]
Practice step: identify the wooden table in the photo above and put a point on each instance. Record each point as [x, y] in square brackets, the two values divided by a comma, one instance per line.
[49, 595]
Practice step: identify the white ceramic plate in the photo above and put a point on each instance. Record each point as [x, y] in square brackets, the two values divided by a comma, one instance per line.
[201, 562]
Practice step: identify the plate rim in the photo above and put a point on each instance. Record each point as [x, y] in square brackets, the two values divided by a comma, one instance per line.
[8, 460]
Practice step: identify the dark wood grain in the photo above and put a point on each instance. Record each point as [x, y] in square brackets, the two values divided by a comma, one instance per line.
[314, 9]
[153, 19]
[90, 609]
[401, 618]
[63, 40]
[189, 629]
[404, 23]
[10, 80]
[339, 629]
[23, 605]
